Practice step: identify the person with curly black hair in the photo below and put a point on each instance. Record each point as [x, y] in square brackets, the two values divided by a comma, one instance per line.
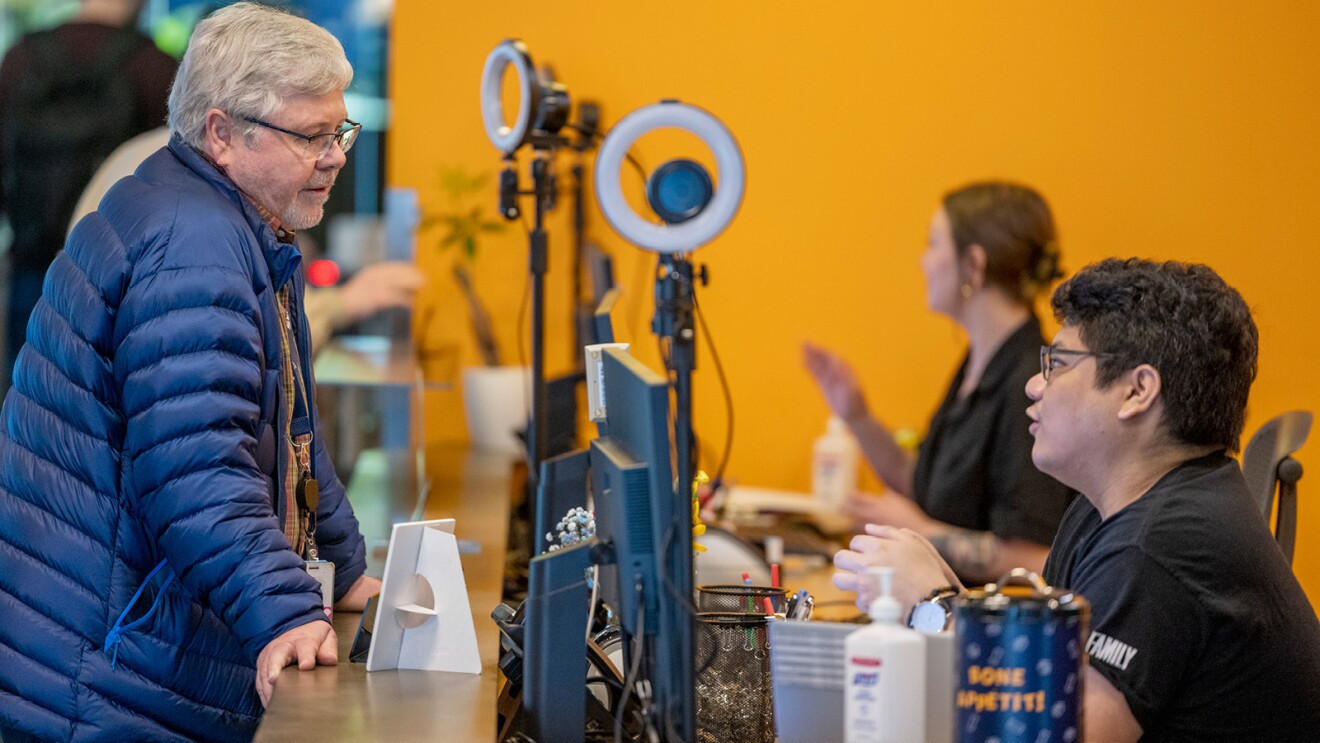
[1199, 629]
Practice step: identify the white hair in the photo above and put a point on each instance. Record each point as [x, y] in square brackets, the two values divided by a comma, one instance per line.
[245, 60]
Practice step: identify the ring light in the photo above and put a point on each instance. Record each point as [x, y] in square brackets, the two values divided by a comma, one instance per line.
[509, 53]
[700, 229]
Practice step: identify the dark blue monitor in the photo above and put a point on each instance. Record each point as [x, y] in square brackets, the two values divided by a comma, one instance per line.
[601, 267]
[602, 326]
[562, 487]
[643, 547]
[648, 524]
[600, 271]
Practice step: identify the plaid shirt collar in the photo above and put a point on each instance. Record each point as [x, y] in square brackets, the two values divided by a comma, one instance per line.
[282, 234]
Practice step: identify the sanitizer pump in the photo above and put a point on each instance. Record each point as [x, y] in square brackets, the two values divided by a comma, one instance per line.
[834, 464]
[885, 674]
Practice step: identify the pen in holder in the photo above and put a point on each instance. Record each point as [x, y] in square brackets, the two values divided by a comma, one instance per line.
[735, 699]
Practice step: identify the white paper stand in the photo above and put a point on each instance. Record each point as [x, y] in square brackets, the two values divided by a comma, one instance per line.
[423, 620]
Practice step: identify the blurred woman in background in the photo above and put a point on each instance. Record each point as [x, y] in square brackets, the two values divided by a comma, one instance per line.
[971, 489]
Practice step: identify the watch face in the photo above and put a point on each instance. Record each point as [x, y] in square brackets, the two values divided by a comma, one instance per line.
[929, 616]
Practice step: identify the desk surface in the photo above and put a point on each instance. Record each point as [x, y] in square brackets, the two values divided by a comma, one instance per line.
[379, 361]
[344, 703]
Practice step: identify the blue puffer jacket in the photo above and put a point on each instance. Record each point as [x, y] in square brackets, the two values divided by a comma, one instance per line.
[142, 430]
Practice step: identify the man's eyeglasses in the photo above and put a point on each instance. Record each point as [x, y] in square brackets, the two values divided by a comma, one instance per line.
[1049, 357]
[318, 145]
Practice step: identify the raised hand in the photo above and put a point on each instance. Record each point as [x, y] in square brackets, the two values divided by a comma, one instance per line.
[837, 382]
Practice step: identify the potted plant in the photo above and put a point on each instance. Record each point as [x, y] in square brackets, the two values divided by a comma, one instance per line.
[496, 398]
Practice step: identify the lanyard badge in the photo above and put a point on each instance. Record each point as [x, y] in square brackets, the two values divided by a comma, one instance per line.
[307, 492]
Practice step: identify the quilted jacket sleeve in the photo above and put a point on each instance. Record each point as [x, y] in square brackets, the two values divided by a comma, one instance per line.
[189, 363]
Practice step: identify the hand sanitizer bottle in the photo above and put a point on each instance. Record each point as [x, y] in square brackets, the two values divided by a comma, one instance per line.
[885, 675]
[834, 464]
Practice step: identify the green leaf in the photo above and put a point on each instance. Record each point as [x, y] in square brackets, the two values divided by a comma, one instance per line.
[463, 221]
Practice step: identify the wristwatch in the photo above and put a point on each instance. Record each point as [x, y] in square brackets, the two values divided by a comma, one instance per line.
[933, 613]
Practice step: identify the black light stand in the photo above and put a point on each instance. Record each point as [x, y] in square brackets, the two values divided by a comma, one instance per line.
[588, 121]
[674, 321]
[675, 306]
[543, 193]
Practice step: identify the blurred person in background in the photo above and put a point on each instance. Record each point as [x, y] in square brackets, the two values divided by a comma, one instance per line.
[374, 288]
[68, 96]
[971, 489]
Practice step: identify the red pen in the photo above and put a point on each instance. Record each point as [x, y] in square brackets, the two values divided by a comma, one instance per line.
[774, 575]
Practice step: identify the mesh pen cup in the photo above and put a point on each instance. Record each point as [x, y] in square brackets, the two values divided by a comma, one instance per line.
[735, 700]
[739, 599]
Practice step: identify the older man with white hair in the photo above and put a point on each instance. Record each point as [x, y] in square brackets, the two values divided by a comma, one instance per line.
[160, 455]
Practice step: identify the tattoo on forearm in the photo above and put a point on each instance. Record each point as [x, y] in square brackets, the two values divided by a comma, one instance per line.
[969, 553]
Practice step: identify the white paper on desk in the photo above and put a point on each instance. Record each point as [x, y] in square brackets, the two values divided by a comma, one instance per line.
[750, 499]
[424, 620]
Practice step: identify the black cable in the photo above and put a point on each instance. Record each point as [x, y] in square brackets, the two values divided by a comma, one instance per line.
[690, 607]
[636, 664]
[522, 304]
[724, 387]
[521, 336]
[613, 683]
[641, 171]
[594, 134]
[666, 543]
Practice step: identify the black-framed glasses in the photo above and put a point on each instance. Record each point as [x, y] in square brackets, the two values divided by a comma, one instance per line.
[318, 144]
[1049, 354]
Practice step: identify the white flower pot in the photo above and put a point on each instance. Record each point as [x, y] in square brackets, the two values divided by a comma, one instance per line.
[497, 402]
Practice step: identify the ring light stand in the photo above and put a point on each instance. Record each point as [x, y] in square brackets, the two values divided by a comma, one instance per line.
[695, 213]
[543, 111]
[686, 229]
[588, 122]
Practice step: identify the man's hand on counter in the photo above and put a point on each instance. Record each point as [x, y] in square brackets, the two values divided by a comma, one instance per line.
[356, 599]
[307, 645]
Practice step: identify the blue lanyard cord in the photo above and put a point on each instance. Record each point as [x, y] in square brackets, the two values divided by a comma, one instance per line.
[116, 634]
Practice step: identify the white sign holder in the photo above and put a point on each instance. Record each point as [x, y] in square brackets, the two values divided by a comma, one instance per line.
[423, 619]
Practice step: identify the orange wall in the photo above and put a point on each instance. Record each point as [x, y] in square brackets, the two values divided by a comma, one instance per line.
[1177, 130]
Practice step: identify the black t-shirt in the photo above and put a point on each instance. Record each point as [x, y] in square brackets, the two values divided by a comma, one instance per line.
[974, 467]
[1196, 617]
